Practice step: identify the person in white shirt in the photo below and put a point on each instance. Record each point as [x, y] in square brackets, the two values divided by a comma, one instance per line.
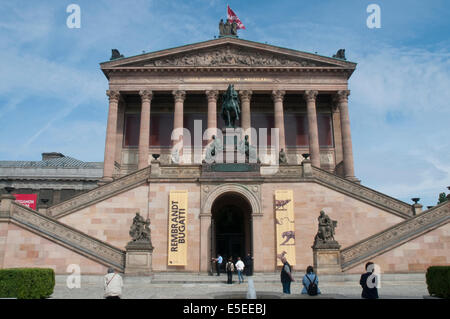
[113, 285]
[240, 268]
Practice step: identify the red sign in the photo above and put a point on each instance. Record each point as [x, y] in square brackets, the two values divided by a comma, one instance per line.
[28, 200]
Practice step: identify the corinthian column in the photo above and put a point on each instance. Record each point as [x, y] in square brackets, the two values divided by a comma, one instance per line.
[313, 131]
[342, 100]
[144, 133]
[245, 109]
[212, 110]
[179, 97]
[277, 97]
[110, 143]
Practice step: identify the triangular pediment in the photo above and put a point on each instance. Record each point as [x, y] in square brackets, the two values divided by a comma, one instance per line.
[229, 52]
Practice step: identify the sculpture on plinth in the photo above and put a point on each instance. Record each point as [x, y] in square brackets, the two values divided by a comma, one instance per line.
[140, 232]
[115, 54]
[138, 258]
[340, 54]
[325, 233]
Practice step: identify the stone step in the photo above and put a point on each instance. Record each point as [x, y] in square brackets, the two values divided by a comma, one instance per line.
[194, 278]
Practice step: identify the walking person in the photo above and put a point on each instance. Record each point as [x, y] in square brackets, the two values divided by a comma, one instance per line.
[113, 285]
[368, 284]
[230, 268]
[240, 269]
[248, 262]
[310, 282]
[286, 275]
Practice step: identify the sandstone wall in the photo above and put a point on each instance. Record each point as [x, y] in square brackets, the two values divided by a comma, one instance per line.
[356, 220]
[26, 249]
[110, 220]
[159, 208]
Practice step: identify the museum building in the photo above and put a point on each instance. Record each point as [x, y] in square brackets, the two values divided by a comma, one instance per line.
[196, 209]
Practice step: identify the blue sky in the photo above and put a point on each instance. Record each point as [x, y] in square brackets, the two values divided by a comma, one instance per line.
[52, 92]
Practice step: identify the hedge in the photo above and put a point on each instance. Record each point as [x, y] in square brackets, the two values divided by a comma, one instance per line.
[27, 283]
[438, 281]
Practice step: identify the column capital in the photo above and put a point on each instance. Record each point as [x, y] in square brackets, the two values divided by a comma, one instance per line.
[278, 95]
[113, 95]
[212, 95]
[245, 95]
[146, 95]
[342, 95]
[179, 96]
[310, 96]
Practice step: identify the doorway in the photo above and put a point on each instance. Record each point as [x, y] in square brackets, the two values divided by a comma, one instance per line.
[231, 227]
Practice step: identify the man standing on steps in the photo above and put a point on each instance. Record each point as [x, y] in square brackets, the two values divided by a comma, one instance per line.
[240, 268]
[286, 275]
[219, 261]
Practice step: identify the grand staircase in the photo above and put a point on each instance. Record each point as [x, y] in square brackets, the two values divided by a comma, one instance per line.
[362, 193]
[100, 193]
[66, 236]
[395, 236]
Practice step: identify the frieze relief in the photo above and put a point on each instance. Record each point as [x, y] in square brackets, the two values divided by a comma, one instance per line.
[233, 56]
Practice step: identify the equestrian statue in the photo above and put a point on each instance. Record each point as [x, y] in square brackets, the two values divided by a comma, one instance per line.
[230, 107]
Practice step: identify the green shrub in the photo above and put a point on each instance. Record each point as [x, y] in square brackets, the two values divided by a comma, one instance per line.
[27, 283]
[438, 281]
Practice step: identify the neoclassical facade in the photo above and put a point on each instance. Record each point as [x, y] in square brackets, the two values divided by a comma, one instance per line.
[303, 95]
[230, 209]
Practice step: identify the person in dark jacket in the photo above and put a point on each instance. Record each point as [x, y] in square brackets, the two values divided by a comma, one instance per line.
[248, 262]
[286, 276]
[368, 283]
[230, 269]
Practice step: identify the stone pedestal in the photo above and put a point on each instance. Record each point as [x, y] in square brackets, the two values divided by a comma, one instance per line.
[327, 260]
[138, 259]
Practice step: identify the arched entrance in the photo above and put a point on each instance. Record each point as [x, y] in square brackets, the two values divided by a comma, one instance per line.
[231, 226]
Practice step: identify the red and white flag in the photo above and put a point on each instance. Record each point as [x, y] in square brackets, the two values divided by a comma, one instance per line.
[232, 17]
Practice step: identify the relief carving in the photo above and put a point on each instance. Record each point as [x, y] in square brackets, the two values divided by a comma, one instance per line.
[233, 56]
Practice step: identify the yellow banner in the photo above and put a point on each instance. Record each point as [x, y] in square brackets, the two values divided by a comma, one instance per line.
[284, 219]
[177, 232]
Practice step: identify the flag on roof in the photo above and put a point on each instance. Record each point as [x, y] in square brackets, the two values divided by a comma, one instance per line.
[232, 17]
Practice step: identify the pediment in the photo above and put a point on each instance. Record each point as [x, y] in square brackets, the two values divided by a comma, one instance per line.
[229, 53]
[232, 55]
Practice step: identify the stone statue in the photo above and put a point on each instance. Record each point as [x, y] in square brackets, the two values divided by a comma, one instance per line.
[212, 149]
[115, 55]
[325, 234]
[230, 107]
[340, 54]
[282, 157]
[227, 28]
[140, 230]
[249, 150]
[234, 28]
[221, 28]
